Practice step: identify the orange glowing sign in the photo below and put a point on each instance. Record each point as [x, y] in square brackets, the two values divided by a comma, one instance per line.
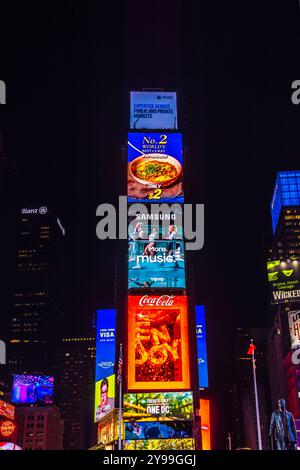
[205, 423]
[7, 428]
[7, 410]
[158, 354]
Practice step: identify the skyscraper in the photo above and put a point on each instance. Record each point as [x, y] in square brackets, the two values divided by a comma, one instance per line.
[283, 277]
[74, 370]
[36, 311]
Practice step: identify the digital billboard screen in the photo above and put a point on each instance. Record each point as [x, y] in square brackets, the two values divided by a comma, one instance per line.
[104, 397]
[159, 406]
[201, 347]
[205, 424]
[160, 444]
[155, 167]
[294, 327]
[33, 389]
[9, 446]
[105, 343]
[156, 263]
[7, 410]
[157, 430]
[158, 351]
[153, 110]
[105, 363]
[284, 281]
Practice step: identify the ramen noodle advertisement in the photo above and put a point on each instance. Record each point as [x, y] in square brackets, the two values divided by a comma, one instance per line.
[158, 343]
[155, 167]
[156, 250]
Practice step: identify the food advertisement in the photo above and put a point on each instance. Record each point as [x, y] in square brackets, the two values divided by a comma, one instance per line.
[155, 171]
[158, 351]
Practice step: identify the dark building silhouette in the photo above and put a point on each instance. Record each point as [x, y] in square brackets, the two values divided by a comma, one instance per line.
[36, 311]
[10, 193]
[74, 369]
[243, 421]
[40, 428]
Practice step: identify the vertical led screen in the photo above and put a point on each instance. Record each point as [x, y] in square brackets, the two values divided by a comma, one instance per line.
[153, 110]
[205, 424]
[156, 249]
[201, 346]
[105, 363]
[294, 327]
[155, 167]
[158, 353]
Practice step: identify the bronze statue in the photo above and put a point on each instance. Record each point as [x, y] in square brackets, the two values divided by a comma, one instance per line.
[283, 428]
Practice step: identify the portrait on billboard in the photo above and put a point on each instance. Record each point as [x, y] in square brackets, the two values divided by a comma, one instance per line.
[155, 167]
[158, 343]
[104, 397]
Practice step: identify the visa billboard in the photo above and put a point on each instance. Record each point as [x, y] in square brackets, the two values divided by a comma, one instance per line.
[105, 363]
[201, 346]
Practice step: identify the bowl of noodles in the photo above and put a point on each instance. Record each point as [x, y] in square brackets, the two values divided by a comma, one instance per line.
[155, 169]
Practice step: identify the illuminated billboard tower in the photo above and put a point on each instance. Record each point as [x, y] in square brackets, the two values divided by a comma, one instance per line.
[284, 282]
[158, 401]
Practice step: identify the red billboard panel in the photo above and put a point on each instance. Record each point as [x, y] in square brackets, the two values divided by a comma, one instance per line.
[158, 351]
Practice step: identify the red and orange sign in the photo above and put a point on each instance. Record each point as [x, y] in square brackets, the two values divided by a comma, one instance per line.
[205, 423]
[7, 410]
[7, 428]
[158, 354]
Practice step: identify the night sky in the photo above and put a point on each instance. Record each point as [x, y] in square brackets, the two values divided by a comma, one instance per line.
[69, 68]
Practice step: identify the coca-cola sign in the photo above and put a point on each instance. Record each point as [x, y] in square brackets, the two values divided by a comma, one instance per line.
[158, 346]
[155, 301]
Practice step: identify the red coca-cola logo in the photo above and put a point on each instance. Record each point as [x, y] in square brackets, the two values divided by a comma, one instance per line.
[162, 301]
